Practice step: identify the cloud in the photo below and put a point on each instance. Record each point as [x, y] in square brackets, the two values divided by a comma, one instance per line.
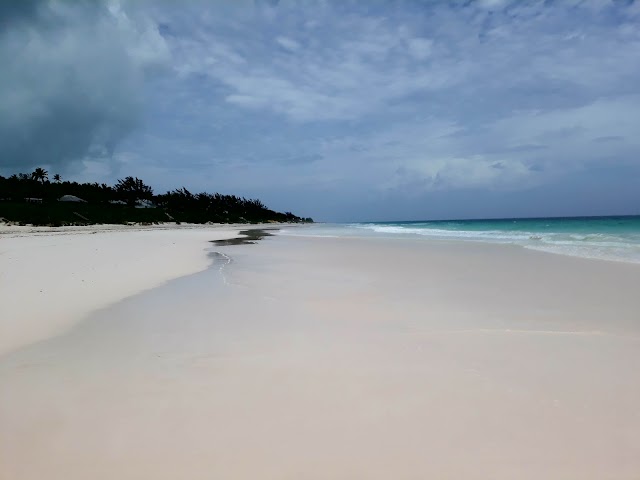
[363, 103]
[420, 48]
[492, 4]
[17, 11]
[608, 138]
[348, 62]
[72, 78]
[288, 43]
[320, 66]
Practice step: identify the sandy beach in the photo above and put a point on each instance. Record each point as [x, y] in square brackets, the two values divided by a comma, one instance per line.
[52, 278]
[313, 358]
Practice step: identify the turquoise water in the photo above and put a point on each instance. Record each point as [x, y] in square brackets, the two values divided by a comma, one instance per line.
[607, 238]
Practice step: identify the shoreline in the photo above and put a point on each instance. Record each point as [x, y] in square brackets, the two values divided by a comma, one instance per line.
[466, 241]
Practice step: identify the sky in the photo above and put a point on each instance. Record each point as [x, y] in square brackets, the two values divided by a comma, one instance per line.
[339, 110]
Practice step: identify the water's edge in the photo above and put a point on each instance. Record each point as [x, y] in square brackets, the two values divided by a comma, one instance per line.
[602, 238]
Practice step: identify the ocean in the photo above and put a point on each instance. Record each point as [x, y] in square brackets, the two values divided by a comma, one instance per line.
[614, 238]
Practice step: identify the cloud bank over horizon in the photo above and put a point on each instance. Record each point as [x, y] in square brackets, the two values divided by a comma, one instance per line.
[338, 110]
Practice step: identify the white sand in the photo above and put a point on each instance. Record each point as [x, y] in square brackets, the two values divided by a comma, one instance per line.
[52, 278]
[342, 359]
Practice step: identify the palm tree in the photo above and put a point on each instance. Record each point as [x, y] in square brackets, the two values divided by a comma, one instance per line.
[133, 189]
[40, 175]
[57, 178]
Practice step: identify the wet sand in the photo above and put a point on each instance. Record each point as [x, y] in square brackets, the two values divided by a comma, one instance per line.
[321, 358]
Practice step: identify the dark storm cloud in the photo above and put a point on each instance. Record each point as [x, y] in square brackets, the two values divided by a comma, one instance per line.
[72, 79]
[14, 11]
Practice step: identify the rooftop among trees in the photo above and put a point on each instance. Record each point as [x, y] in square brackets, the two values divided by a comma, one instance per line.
[34, 199]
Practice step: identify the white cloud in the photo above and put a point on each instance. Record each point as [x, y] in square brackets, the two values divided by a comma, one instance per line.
[461, 173]
[357, 66]
[288, 43]
[492, 4]
[420, 48]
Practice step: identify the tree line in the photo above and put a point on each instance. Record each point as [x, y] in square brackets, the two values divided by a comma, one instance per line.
[35, 198]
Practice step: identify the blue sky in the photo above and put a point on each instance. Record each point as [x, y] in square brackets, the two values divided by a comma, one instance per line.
[345, 110]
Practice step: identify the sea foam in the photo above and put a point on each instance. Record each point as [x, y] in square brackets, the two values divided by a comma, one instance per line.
[554, 236]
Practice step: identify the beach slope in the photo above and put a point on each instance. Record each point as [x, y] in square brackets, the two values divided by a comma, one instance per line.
[51, 278]
[340, 358]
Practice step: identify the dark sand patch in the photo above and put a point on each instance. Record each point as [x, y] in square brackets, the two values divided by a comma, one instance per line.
[247, 237]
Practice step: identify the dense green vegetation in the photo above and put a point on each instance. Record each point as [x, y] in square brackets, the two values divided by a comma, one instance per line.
[34, 199]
